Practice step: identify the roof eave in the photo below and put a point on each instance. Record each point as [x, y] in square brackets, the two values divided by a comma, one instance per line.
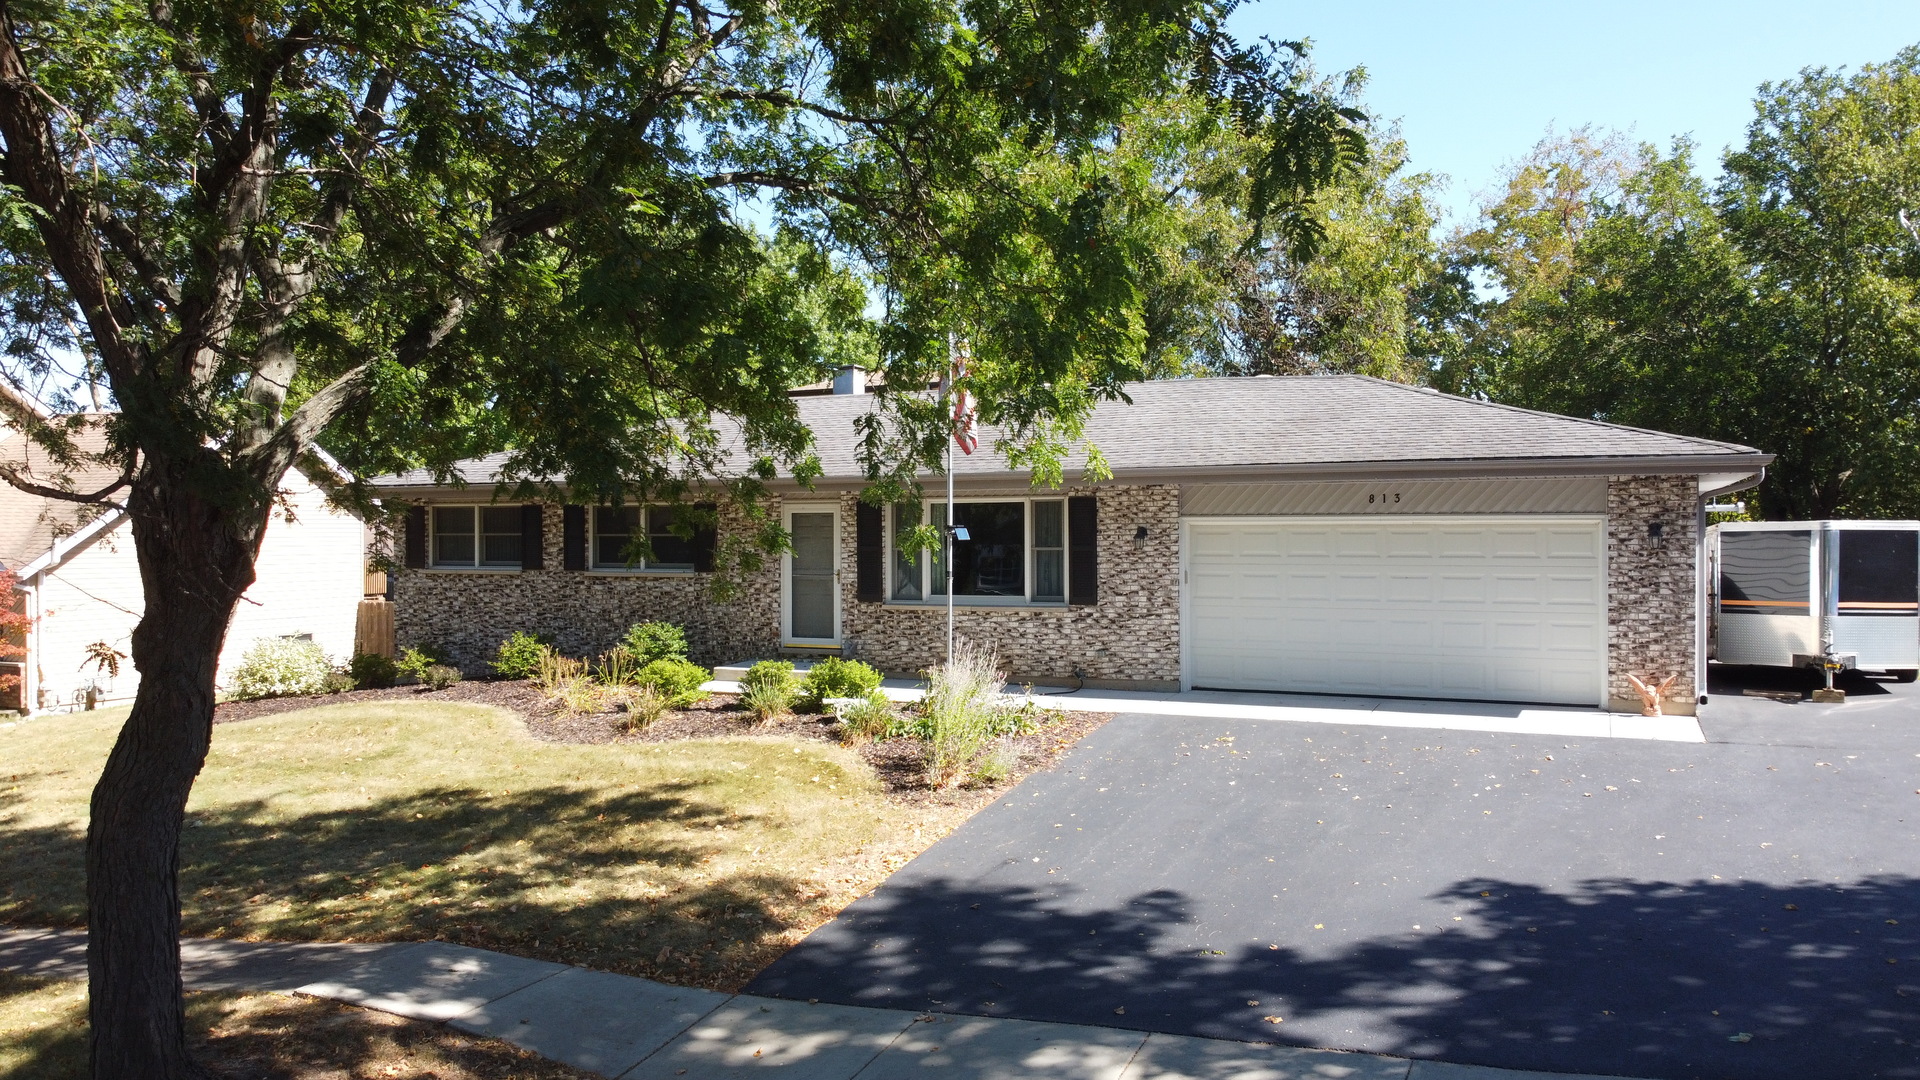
[1664, 465]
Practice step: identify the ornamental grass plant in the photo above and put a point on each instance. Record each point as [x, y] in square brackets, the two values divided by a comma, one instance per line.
[961, 714]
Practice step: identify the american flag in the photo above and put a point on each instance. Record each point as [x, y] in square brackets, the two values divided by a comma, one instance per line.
[963, 433]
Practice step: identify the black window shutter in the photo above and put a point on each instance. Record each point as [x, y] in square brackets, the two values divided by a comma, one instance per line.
[573, 537]
[1083, 550]
[416, 546]
[705, 539]
[869, 555]
[533, 537]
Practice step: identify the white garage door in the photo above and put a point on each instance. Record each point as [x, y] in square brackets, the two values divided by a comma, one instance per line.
[1496, 609]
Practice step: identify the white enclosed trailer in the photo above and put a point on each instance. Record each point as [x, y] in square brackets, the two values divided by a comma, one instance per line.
[1786, 593]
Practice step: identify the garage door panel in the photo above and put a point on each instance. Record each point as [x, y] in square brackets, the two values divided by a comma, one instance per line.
[1508, 610]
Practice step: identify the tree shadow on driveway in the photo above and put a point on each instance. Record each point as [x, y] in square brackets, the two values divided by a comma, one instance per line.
[1635, 978]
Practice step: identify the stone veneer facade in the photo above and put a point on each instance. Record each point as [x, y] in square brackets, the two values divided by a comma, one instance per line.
[1651, 587]
[1129, 639]
[467, 613]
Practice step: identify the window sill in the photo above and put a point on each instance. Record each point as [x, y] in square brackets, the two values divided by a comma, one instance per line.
[474, 570]
[961, 604]
[640, 572]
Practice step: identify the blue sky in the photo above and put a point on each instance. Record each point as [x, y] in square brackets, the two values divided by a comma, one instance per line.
[1475, 85]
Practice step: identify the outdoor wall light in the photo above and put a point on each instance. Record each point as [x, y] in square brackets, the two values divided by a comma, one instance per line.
[1657, 532]
[1139, 538]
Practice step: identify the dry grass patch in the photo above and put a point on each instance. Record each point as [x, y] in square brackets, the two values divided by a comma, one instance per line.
[696, 862]
[43, 1035]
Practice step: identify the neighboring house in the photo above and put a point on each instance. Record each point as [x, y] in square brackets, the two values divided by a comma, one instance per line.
[1333, 534]
[80, 580]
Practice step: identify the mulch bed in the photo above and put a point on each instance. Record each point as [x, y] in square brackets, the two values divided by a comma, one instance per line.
[898, 762]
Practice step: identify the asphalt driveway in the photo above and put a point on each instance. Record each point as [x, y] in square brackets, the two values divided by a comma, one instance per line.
[1749, 908]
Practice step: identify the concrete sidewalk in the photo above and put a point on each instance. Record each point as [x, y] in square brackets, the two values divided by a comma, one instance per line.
[1563, 722]
[636, 1029]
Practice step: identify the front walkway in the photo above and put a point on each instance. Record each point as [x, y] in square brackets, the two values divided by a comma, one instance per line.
[1565, 722]
[636, 1029]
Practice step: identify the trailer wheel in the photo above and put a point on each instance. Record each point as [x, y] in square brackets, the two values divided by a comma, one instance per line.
[1904, 674]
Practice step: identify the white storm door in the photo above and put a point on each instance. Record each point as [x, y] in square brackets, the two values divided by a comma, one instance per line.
[1482, 608]
[810, 600]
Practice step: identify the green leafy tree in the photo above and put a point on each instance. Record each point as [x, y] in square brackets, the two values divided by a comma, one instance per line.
[412, 233]
[1823, 203]
[1776, 308]
[1358, 297]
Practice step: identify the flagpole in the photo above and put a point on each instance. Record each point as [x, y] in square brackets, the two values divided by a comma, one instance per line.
[952, 359]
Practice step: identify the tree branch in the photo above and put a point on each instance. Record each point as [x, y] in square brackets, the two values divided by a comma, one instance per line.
[13, 477]
[31, 163]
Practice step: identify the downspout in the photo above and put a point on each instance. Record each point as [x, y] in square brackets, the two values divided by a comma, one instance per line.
[30, 663]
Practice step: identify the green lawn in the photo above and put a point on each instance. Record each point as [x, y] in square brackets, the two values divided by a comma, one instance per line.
[696, 862]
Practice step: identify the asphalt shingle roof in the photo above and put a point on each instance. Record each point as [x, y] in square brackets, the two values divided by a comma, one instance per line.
[1294, 423]
[29, 524]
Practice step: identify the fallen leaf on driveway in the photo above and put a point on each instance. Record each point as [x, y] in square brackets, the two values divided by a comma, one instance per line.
[1742, 1037]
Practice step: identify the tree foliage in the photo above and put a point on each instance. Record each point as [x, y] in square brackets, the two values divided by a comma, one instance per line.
[1776, 308]
[1370, 295]
[603, 237]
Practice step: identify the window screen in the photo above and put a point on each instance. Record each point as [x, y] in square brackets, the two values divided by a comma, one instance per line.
[1879, 572]
[1765, 573]
[453, 536]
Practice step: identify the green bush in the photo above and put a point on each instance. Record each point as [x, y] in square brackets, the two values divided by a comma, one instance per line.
[519, 656]
[769, 688]
[372, 671]
[837, 678]
[414, 662]
[441, 676]
[336, 682]
[678, 680]
[650, 641]
[281, 667]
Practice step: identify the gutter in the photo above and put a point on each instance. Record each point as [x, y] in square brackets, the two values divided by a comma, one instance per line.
[1449, 468]
[67, 545]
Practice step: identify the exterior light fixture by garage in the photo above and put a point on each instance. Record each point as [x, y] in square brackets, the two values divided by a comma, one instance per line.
[1657, 532]
[1139, 538]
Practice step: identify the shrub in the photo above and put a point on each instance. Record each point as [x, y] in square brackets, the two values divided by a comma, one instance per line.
[336, 682]
[281, 667]
[678, 680]
[372, 671]
[768, 689]
[837, 678]
[519, 656]
[441, 676]
[650, 641]
[414, 662]
[961, 712]
[873, 718]
[643, 705]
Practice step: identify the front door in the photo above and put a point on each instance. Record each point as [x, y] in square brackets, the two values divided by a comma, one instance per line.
[811, 612]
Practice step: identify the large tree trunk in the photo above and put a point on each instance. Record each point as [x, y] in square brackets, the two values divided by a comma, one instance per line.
[196, 559]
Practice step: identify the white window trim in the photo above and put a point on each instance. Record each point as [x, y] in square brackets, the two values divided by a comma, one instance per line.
[479, 542]
[925, 563]
[595, 566]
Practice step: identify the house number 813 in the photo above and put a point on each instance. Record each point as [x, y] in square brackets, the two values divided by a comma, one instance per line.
[1383, 497]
